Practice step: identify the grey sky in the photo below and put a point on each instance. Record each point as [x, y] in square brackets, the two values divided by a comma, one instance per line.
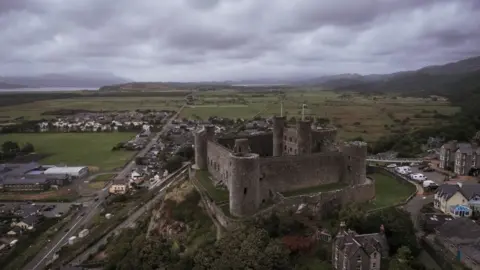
[181, 40]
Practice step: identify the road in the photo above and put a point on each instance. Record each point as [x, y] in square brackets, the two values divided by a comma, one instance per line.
[131, 165]
[130, 220]
[60, 238]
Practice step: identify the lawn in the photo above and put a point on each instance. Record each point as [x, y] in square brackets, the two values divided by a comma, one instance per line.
[218, 195]
[77, 149]
[312, 190]
[388, 191]
[100, 181]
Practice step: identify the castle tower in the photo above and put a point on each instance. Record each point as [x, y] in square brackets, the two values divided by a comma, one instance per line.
[244, 188]
[200, 138]
[355, 156]
[304, 137]
[242, 146]
[210, 130]
[278, 127]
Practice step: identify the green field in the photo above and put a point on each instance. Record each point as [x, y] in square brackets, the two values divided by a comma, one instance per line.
[316, 189]
[218, 195]
[75, 149]
[354, 115]
[388, 191]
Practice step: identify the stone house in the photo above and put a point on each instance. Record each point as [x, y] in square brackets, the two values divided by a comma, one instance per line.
[352, 251]
[459, 157]
[460, 238]
[458, 200]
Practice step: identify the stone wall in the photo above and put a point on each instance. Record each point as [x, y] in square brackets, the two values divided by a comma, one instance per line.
[218, 161]
[261, 144]
[279, 174]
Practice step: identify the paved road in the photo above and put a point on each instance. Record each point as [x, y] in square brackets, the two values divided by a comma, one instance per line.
[131, 220]
[60, 238]
[47, 253]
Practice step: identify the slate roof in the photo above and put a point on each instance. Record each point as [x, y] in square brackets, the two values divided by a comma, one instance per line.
[446, 191]
[465, 148]
[464, 233]
[350, 242]
[460, 230]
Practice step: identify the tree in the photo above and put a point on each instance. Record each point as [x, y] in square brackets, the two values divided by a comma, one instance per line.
[10, 147]
[402, 260]
[253, 249]
[174, 163]
[186, 151]
[27, 148]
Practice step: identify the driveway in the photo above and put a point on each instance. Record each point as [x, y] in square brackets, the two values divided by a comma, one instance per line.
[434, 176]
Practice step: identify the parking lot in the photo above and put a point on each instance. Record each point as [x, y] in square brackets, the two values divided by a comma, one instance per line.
[435, 176]
[49, 210]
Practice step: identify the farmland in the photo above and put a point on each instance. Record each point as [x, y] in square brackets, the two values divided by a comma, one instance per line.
[90, 149]
[354, 115]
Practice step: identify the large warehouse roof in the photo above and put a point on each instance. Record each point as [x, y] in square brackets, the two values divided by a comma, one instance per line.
[64, 170]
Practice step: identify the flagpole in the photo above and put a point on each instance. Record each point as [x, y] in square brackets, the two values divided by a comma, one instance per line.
[303, 112]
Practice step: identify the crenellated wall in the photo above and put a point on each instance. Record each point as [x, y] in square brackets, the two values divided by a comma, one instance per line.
[259, 143]
[218, 162]
[279, 174]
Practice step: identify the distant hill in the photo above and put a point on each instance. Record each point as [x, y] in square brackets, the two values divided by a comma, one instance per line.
[4, 85]
[87, 80]
[431, 79]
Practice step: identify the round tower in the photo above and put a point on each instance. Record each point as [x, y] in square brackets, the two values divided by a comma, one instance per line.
[200, 138]
[278, 127]
[355, 156]
[210, 130]
[242, 146]
[304, 137]
[245, 184]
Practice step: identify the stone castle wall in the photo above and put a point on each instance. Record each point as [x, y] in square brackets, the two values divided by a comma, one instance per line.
[218, 162]
[279, 174]
[260, 143]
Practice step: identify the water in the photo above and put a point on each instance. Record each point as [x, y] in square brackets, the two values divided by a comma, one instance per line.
[49, 89]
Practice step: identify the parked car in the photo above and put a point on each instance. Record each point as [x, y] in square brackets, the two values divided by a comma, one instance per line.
[405, 170]
[418, 177]
[428, 169]
[392, 166]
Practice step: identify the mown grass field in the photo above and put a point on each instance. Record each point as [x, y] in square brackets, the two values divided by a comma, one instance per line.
[75, 149]
[388, 191]
[354, 115]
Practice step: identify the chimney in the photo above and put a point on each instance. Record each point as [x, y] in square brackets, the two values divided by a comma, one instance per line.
[342, 228]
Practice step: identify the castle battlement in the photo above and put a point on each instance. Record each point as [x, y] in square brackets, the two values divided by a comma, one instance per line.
[256, 167]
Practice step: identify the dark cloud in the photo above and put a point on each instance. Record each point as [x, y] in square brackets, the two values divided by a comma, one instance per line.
[234, 39]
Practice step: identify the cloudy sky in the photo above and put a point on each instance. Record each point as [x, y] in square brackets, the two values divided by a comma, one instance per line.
[182, 40]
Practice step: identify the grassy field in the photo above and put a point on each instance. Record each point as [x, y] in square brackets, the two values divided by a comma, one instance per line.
[354, 115]
[312, 190]
[218, 195]
[388, 191]
[100, 181]
[86, 149]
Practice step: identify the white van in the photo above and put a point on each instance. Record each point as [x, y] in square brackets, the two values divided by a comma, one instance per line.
[403, 170]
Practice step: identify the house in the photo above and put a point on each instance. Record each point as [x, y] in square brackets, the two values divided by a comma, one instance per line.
[352, 251]
[429, 222]
[118, 186]
[458, 200]
[460, 237]
[459, 157]
[15, 231]
[28, 223]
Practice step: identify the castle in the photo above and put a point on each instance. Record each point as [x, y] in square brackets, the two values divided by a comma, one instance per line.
[256, 167]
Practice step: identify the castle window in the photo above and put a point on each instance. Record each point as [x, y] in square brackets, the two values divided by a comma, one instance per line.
[263, 200]
[290, 139]
[245, 191]
[285, 147]
[349, 168]
[349, 157]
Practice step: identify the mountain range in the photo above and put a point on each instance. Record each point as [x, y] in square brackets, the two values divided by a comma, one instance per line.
[78, 80]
